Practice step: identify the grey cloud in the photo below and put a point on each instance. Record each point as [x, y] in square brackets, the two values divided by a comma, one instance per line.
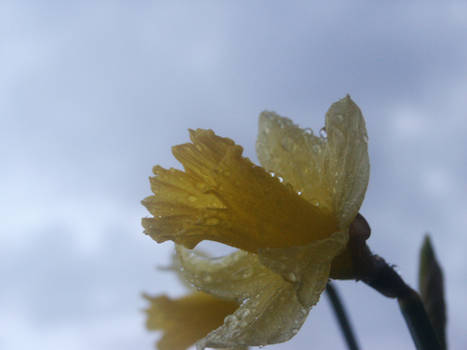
[93, 95]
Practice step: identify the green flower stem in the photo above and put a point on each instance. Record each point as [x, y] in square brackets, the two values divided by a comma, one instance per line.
[342, 318]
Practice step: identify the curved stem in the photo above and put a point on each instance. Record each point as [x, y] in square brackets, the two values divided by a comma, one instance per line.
[342, 318]
[378, 274]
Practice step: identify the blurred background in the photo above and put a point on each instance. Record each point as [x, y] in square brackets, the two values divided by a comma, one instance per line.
[93, 94]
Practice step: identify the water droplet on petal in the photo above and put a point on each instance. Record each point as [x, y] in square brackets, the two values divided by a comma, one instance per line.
[281, 179]
[299, 193]
[231, 319]
[247, 274]
[308, 131]
[291, 276]
[315, 202]
[323, 133]
[272, 173]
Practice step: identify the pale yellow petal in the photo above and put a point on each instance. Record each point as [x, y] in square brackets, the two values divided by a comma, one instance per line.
[348, 157]
[186, 320]
[269, 316]
[307, 267]
[269, 309]
[222, 196]
[331, 171]
[232, 276]
[295, 154]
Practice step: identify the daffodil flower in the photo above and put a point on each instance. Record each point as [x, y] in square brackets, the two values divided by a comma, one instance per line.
[186, 319]
[289, 219]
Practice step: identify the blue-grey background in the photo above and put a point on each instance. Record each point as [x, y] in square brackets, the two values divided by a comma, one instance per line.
[93, 94]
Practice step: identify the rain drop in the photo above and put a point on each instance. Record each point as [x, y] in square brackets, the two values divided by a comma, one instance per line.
[245, 313]
[323, 133]
[232, 319]
[291, 276]
[247, 274]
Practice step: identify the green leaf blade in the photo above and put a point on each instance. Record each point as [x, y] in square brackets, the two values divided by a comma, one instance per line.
[431, 287]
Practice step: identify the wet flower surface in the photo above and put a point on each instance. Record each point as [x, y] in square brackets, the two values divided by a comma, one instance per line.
[186, 319]
[289, 219]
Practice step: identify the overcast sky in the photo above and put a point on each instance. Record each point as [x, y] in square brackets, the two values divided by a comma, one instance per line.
[93, 94]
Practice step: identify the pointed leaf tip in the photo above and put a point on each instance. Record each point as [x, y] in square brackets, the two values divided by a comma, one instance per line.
[431, 286]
